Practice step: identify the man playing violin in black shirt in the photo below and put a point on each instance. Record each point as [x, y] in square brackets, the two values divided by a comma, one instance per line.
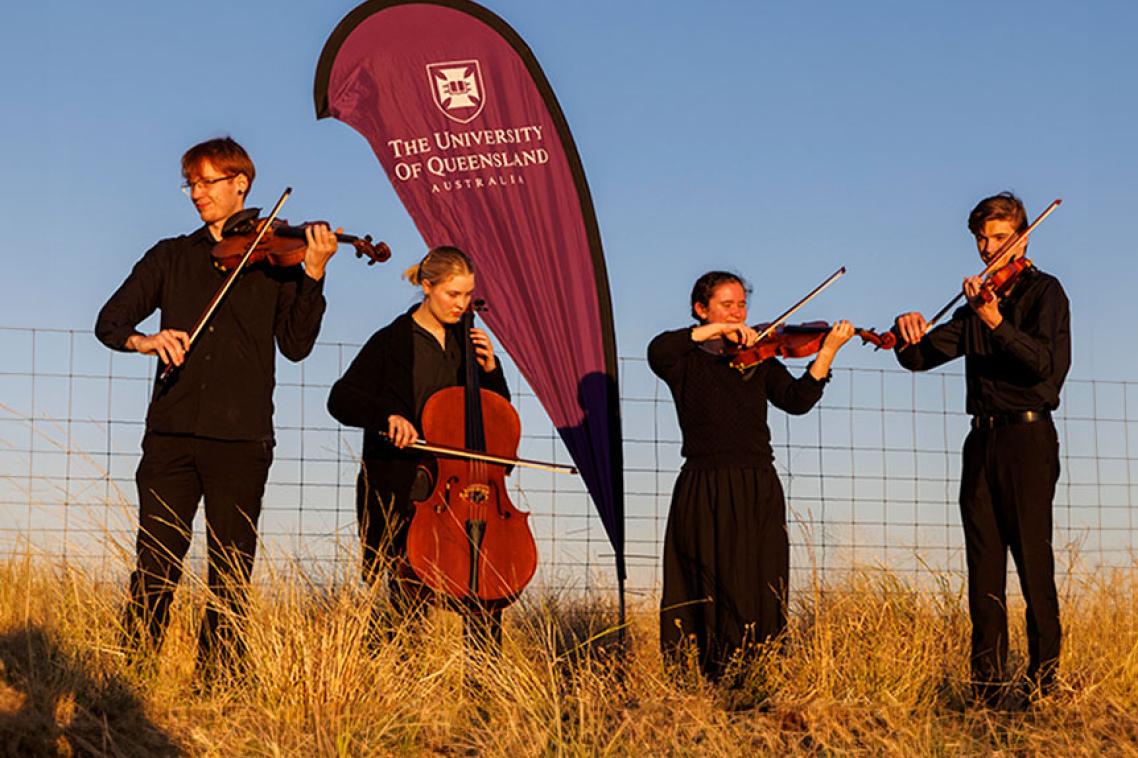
[1017, 350]
[209, 427]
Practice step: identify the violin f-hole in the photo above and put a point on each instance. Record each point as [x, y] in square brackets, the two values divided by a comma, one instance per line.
[503, 513]
[446, 495]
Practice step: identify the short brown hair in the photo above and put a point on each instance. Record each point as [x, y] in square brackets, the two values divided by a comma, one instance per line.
[440, 264]
[1004, 206]
[224, 153]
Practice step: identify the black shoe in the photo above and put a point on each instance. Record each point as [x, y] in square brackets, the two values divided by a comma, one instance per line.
[989, 694]
[1030, 692]
[1016, 699]
[742, 700]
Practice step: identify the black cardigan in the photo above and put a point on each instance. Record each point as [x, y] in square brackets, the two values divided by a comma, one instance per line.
[379, 383]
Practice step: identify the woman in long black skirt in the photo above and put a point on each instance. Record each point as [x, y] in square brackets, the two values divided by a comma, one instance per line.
[726, 550]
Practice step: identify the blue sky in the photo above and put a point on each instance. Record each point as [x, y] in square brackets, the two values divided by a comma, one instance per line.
[777, 139]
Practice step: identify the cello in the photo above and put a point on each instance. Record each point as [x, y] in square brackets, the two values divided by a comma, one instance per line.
[467, 542]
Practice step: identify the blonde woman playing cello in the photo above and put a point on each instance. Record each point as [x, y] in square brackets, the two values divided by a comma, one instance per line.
[384, 391]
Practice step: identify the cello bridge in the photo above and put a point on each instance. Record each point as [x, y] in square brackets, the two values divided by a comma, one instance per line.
[476, 493]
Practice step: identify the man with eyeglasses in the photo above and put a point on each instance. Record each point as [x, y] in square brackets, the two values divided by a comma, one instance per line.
[209, 427]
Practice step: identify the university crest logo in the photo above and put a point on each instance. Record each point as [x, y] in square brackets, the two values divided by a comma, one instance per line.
[457, 89]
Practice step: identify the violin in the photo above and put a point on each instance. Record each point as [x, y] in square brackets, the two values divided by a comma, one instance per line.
[277, 254]
[1002, 281]
[795, 341]
[281, 244]
[467, 542]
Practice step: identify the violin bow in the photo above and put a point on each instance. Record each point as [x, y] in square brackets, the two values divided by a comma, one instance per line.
[224, 289]
[797, 306]
[999, 261]
[461, 452]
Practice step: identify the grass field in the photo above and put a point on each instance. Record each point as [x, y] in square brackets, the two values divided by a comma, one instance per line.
[870, 666]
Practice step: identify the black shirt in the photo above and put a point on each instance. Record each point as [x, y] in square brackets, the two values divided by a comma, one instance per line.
[1018, 366]
[722, 413]
[224, 390]
[382, 381]
[435, 366]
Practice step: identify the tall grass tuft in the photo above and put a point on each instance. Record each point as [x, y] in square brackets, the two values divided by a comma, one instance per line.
[870, 664]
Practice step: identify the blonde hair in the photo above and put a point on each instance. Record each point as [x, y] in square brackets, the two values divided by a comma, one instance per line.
[439, 264]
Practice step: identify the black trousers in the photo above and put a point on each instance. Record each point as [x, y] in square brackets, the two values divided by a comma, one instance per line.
[726, 565]
[1006, 490]
[174, 474]
[383, 516]
[384, 510]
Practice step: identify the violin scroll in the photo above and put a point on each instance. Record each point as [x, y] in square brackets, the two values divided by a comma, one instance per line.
[886, 341]
[365, 248]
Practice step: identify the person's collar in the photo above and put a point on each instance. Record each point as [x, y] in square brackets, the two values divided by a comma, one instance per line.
[201, 234]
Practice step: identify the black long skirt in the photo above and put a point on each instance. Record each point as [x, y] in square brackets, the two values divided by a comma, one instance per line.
[726, 563]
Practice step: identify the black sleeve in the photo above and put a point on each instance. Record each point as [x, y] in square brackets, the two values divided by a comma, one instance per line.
[300, 309]
[135, 299]
[938, 347]
[1047, 341]
[365, 396]
[666, 349]
[794, 396]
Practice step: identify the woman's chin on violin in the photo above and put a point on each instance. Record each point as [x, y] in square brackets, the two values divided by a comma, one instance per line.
[747, 346]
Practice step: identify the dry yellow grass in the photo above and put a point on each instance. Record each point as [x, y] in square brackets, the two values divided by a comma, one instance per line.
[871, 666]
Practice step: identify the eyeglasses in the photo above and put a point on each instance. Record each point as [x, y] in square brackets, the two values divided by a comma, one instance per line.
[189, 187]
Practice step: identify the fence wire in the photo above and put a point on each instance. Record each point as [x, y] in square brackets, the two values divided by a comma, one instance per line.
[871, 475]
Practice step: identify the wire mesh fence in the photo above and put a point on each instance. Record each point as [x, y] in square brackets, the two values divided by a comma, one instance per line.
[871, 474]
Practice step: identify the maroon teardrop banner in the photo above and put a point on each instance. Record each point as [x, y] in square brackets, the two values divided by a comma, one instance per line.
[469, 132]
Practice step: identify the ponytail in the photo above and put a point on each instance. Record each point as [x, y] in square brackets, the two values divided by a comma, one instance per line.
[438, 265]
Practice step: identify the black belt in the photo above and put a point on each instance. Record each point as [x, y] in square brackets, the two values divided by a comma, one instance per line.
[1008, 419]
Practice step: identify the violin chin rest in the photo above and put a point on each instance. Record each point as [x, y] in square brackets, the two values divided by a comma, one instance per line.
[241, 222]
